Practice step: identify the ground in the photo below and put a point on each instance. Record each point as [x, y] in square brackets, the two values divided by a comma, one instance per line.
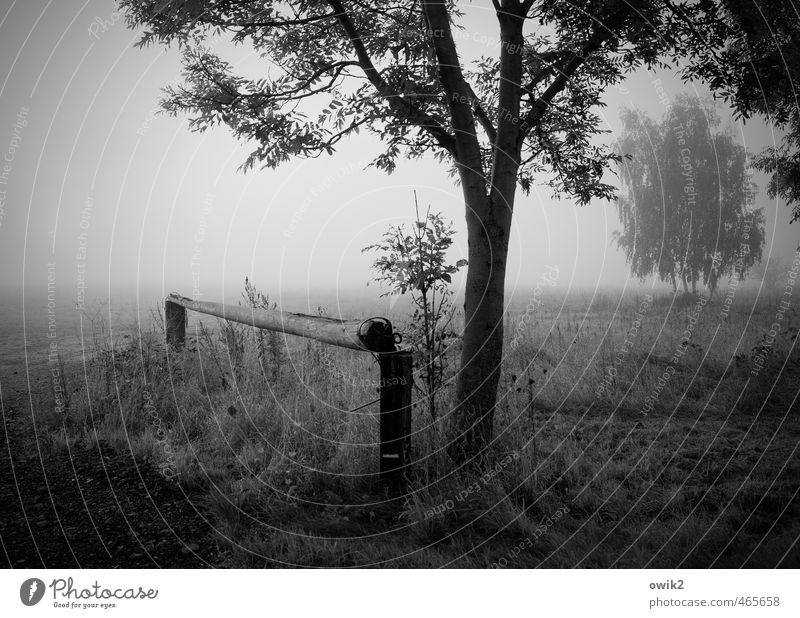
[92, 508]
[630, 433]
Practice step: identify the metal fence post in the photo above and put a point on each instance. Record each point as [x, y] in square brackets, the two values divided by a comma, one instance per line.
[175, 318]
[395, 418]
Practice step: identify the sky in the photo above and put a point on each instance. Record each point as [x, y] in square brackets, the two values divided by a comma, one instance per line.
[100, 192]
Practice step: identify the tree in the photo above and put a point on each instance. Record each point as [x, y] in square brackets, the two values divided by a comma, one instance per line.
[394, 69]
[750, 57]
[648, 235]
[772, 272]
[686, 208]
[416, 263]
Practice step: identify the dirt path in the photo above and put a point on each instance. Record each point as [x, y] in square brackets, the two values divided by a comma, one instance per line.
[88, 508]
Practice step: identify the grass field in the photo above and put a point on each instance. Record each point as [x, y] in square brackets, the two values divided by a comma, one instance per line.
[616, 444]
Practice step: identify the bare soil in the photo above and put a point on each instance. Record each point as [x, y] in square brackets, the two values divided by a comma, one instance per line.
[88, 508]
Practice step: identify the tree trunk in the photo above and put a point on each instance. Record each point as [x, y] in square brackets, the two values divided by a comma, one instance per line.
[482, 351]
[685, 283]
[489, 212]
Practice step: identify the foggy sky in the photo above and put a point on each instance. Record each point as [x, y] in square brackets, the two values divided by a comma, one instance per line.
[111, 193]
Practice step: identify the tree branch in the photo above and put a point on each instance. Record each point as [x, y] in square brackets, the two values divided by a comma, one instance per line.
[405, 109]
[698, 37]
[506, 146]
[468, 153]
[293, 94]
[481, 115]
[570, 66]
[279, 23]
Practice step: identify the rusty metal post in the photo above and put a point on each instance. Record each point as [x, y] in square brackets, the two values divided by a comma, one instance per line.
[395, 418]
[175, 318]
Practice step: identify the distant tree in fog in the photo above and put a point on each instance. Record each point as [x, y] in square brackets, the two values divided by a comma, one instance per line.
[686, 204]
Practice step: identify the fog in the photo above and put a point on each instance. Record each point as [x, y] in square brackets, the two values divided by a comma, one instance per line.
[113, 195]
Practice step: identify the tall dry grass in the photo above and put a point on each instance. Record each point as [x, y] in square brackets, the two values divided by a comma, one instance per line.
[592, 467]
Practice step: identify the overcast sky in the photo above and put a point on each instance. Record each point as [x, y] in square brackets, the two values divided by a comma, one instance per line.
[106, 190]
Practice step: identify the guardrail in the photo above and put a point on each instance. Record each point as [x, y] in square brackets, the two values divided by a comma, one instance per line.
[373, 335]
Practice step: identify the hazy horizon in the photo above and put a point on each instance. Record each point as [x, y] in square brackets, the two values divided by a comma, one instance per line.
[108, 191]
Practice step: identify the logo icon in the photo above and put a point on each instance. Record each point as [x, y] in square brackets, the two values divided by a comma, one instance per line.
[31, 591]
